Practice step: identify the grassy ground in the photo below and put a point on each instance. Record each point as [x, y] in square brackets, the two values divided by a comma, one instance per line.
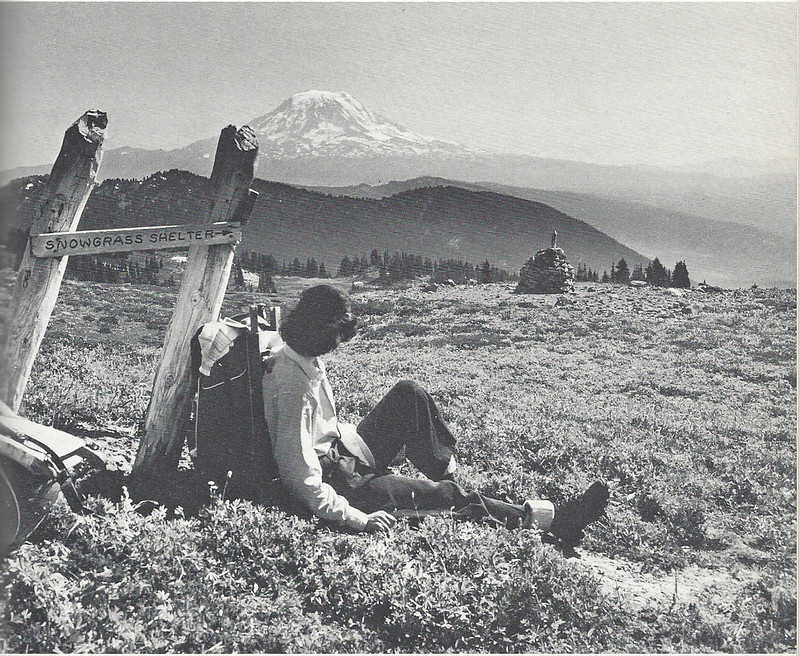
[686, 405]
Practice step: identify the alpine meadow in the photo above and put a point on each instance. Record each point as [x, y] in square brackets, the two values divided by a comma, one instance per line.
[684, 404]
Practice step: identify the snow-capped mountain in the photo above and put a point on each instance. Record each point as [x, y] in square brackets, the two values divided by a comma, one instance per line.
[314, 137]
[334, 124]
[323, 138]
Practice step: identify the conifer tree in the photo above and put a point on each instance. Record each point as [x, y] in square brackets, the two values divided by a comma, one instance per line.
[238, 276]
[485, 273]
[623, 273]
[266, 284]
[655, 273]
[680, 276]
[312, 269]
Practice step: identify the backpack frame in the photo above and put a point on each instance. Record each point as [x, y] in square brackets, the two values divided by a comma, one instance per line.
[36, 464]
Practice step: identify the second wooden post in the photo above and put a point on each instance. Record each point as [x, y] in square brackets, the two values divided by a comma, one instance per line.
[199, 300]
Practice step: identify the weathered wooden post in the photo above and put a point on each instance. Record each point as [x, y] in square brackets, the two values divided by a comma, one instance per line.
[199, 300]
[39, 280]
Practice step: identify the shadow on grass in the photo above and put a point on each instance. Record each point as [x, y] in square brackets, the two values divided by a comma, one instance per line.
[183, 492]
[171, 490]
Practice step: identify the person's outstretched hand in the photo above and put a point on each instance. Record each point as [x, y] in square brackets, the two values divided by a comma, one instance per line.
[379, 522]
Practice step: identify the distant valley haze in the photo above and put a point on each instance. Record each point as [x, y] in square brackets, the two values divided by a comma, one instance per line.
[662, 125]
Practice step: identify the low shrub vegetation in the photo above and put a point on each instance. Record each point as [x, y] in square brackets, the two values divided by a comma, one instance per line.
[690, 417]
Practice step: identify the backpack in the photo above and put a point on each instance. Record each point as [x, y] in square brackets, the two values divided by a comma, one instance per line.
[230, 442]
[36, 464]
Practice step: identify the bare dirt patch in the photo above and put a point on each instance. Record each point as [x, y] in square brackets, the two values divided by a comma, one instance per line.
[707, 588]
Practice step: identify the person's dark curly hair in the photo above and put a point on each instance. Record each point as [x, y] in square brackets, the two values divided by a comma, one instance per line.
[320, 321]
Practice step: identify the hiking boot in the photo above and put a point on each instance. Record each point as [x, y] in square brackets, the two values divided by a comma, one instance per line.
[576, 514]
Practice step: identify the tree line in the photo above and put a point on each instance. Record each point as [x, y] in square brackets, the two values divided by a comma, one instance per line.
[655, 274]
[407, 266]
[266, 263]
[390, 268]
[118, 269]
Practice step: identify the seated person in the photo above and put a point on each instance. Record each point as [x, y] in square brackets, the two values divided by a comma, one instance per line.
[340, 472]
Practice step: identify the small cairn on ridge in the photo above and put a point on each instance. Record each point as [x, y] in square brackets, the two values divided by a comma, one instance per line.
[547, 272]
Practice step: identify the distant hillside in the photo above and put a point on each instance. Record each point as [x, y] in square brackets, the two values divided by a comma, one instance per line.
[444, 222]
[727, 254]
[161, 199]
[395, 187]
[440, 223]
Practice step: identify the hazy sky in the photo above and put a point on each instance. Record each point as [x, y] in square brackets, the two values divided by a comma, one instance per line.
[656, 83]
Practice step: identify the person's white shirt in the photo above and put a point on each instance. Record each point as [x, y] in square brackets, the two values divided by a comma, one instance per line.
[301, 418]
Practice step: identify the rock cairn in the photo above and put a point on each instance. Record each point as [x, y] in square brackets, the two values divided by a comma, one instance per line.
[547, 272]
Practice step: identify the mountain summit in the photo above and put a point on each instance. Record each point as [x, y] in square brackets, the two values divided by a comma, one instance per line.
[334, 124]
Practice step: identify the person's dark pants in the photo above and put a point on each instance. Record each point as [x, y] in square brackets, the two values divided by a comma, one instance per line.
[408, 417]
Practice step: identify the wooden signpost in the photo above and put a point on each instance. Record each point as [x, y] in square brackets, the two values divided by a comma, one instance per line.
[211, 239]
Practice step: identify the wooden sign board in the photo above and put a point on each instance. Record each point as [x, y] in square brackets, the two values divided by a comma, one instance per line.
[92, 242]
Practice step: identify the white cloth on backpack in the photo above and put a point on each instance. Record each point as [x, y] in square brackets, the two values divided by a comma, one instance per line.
[216, 339]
